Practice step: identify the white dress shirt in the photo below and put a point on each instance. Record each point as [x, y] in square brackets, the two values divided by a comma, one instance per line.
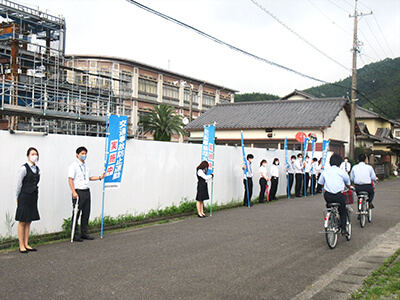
[80, 173]
[274, 171]
[362, 174]
[345, 166]
[263, 170]
[203, 175]
[298, 166]
[307, 167]
[334, 179]
[249, 173]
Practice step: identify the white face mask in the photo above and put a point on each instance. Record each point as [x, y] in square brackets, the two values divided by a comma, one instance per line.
[34, 158]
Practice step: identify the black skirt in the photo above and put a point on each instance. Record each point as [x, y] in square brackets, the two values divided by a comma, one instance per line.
[202, 190]
[27, 210]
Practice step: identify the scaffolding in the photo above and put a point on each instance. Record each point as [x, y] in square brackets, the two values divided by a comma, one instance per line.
[41, 89]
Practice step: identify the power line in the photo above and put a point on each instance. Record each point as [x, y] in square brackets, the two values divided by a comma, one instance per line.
[333, 22]
[338, 6]
[369, 44]
[298, 35]
[221, 42]
[387, 44]
[373, 33]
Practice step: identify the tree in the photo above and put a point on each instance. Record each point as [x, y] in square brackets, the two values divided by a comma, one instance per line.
[162, 122]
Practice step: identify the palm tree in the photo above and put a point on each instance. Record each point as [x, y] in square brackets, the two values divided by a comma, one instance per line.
[162, 122]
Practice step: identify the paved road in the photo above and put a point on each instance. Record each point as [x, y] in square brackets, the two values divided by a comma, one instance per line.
[269, 251]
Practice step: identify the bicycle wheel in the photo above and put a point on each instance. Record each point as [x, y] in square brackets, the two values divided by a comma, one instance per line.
[369, 214]
[331, 232]
[348, 228]
[362, 213]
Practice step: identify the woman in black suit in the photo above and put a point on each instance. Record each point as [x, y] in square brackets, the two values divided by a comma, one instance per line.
[27, 197]
[202, 189]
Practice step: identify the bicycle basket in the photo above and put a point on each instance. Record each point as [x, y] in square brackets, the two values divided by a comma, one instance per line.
[348, 196]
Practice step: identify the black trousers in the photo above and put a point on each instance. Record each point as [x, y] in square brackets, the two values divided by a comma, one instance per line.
[299, 183]
[313, 184]
[291, 179]
[306, 183]
[338, 198]
[84, 208]
[250, 185]
[274, 188]
[263, 187]
[366, 188]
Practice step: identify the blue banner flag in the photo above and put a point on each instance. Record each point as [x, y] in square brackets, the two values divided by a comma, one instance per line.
[305, 147]
[207, 150]
[244, 154]
[286, 158]
[325, 149]
[116, 145]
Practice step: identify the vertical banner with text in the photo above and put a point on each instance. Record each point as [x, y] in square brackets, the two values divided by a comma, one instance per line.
[118, 126]
[325, 149]
[207, 150]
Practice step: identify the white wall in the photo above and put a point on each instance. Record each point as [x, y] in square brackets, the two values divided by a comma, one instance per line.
[156, 175]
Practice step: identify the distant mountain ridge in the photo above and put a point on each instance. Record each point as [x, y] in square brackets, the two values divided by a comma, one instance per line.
[379, 82]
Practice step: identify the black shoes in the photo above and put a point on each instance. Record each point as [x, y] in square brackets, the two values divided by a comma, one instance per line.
[77, 239]
[87, 237]
[23, 251]
[31, 250]
[371, 206]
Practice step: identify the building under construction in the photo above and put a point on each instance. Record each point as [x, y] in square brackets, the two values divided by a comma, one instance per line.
[44, 90]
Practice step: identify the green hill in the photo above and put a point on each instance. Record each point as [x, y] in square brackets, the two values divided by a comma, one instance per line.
[378, 85]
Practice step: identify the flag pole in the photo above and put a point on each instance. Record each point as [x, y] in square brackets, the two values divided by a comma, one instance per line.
[245, 162]
[212, 179]
[104, 182]
[287, 168]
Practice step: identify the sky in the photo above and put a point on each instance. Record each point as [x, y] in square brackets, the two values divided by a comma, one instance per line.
[120, 29]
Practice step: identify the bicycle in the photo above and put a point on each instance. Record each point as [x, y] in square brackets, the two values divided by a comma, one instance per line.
[364, 209]
[332, 224]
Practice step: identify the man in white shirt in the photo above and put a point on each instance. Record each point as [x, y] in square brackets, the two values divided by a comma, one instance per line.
[248, 180]
[345, 165]
[78, 179]
[362, 175]
[334, 180]
[298, 170]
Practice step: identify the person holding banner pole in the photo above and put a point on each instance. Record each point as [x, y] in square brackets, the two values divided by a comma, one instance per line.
[202, 189]
[298, 170]
[248, 180]
[78, 180]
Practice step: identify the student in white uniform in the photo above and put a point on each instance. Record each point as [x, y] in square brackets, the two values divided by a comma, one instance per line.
[290, 171]
[298, 170]
[248, 179]
[274, 179]
[345, 165]
[263, 180]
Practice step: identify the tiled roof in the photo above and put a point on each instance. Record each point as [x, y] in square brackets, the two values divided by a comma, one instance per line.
[306, 113]
[385, 134]
[363, 113]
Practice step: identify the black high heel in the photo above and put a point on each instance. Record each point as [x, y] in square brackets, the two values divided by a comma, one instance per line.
[23, 251]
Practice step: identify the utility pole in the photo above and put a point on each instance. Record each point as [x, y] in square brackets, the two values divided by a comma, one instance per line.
[355, 50]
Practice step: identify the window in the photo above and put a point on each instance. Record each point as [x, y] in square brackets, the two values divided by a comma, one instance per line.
[147, 86]
[170, 91]
[195, 95]
[208, 100]
[126, 83]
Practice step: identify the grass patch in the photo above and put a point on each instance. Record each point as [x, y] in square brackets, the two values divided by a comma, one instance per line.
[111, 224]
[383, 283]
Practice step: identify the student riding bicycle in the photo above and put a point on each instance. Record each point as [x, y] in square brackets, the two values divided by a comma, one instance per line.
[362, 176]
[334, 180]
